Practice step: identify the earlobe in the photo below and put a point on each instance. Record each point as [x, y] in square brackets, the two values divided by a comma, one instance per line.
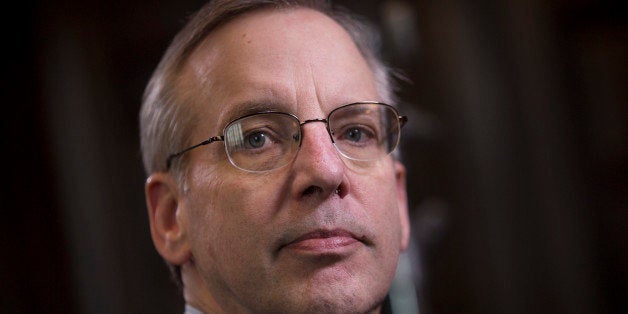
[402, 204]
[167, 218]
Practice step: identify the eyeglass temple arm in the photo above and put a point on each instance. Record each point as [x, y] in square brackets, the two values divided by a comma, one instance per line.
[205, 142]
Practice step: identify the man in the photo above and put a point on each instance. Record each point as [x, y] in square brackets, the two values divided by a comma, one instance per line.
[272, 185]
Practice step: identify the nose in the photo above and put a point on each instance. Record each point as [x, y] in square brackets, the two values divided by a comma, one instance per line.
[318, 168]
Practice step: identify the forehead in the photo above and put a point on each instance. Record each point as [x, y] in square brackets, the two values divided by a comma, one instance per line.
[291, 59]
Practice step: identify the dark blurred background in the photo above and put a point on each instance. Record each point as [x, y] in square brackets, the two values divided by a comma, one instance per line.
[517, 153]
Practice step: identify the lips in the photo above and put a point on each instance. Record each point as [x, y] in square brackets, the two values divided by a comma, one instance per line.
[321, 241]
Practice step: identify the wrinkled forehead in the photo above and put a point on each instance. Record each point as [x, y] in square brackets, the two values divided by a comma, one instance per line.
[295, 60]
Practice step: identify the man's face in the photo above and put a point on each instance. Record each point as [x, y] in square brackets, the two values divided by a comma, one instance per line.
[322, 231]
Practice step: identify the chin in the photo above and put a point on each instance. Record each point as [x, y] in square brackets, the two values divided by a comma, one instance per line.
[335, 297]
[345, 306]
[336, 305]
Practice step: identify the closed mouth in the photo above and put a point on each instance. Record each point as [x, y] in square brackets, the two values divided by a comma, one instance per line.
[323, 241]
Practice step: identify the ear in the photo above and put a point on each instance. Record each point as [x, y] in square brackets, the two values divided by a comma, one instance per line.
[167, 218]
[402, 204]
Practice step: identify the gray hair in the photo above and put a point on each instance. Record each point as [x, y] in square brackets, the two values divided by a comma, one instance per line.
[166, 123]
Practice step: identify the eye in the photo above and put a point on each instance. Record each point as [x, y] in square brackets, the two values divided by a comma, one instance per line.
[356, 135]
[353, 134]
[256, 139]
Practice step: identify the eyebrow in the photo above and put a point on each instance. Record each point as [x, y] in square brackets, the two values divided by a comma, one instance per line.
[251, 107]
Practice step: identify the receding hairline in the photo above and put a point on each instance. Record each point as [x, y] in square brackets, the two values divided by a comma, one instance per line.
[193, 42]
[210, 39]
[316, 18]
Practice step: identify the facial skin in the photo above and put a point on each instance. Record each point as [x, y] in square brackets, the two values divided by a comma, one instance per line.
[284, 240]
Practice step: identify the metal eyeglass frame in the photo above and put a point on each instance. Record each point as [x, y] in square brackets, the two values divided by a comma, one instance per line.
[402, 122]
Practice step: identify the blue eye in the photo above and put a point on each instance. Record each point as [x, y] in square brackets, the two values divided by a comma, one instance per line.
[353, 134]
[256, 140]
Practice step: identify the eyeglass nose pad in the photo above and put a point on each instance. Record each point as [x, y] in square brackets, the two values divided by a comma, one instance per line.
[329, 132]
[298, 137]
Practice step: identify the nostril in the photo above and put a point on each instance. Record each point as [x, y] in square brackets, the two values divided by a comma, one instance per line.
[342, 190]
[312, 190]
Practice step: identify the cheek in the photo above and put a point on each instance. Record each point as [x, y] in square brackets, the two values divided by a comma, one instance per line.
[231, 214]
[376, 184]
[376, 191]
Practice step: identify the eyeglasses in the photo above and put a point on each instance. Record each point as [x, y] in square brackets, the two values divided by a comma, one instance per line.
[265, 141]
